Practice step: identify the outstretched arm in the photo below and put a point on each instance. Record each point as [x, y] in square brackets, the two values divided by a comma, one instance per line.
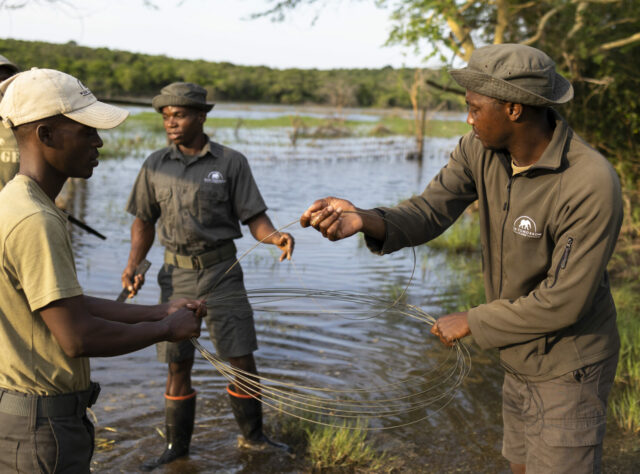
[263, 231]
[142, 235]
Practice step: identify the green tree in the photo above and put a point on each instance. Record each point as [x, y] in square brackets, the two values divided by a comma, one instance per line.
[594, 42]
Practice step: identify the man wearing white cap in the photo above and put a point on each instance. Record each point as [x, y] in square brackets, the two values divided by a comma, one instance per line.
[48, 328]
[9, 156]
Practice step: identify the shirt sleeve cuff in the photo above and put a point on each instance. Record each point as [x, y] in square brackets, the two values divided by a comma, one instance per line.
[475, 326]
[374, 245]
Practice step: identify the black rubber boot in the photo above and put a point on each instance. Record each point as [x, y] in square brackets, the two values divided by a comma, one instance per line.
[248, 413]
[179, 415]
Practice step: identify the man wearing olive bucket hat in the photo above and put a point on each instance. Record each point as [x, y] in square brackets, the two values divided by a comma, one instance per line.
[550, 213]
[199, 192]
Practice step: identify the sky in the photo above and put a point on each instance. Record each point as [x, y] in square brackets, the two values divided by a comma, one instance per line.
[346, 33]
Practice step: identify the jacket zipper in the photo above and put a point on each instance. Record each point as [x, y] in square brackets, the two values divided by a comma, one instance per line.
[505, 208]
[563, 261]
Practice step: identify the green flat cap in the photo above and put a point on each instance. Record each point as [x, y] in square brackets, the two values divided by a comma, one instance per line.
[182, 94]
[515, 73]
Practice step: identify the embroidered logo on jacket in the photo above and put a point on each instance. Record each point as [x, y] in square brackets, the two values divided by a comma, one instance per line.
[215, 177]
[526, 227]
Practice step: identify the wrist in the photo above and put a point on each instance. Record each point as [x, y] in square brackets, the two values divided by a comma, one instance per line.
[275, 238]
[161, 311]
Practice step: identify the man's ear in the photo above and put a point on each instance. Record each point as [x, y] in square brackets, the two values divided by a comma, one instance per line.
[514, 111]
[202, 117]
[44, 132]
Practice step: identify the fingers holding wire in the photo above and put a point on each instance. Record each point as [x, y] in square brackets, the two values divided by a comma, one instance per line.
[323, 220]
[312, 211]
[286, 244]
[451, 327]
[330, 226]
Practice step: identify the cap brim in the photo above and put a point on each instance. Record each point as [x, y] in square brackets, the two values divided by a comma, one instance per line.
[99, 115]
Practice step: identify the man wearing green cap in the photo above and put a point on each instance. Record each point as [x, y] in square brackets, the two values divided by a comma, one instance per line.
[198, 192]
[550, 212]
[48, 327]
[9, 156]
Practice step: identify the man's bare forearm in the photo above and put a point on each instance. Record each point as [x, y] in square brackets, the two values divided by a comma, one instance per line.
[122, 312]
[142, 235]
[262, 228]
[81, 333]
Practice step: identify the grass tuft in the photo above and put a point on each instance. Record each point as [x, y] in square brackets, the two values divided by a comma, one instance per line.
[331, 448]
[327, 448]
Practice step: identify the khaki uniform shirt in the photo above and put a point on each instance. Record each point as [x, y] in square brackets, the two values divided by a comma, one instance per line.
[547, 234]
[37, 268]
[197, 201]
[9, 156]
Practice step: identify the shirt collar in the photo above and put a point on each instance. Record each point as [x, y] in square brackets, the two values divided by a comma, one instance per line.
[552, 156]
[210, 148]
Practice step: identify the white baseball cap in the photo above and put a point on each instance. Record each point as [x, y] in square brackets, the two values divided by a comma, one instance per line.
[41, 93]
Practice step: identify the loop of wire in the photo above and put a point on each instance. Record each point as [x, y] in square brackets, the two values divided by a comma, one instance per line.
[398, 403]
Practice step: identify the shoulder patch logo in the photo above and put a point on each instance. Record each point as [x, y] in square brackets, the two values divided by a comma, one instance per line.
[215, 177]
[526, 227]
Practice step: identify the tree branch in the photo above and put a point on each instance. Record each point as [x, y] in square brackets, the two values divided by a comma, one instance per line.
[444, 88]
[502, 21]
[524, 6]
[621, 42]
[541, 26]
[578, 22]
[463, 36]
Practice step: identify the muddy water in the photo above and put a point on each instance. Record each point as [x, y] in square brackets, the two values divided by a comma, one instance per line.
[322, 348]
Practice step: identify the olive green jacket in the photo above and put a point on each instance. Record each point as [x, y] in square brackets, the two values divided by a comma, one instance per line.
[547, 235]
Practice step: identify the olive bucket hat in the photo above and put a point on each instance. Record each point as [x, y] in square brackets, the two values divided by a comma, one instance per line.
[182, 94]
[515, 73]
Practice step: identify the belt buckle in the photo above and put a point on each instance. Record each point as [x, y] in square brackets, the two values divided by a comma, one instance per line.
[195, 262]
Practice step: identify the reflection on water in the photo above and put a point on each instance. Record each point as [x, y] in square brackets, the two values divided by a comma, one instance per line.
[319, 347]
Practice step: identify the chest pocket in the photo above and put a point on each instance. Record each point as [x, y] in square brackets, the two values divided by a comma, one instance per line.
[163, 196]
[213, 204]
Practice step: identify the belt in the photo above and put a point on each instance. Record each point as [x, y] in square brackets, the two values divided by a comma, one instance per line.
[196, 262]
[68, 404]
